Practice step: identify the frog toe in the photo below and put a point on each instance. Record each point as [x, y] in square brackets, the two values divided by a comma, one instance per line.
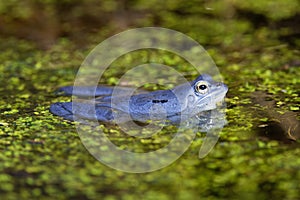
[62, 109]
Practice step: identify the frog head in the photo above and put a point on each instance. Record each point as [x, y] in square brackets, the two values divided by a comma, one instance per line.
[202, 94]
[206, 93]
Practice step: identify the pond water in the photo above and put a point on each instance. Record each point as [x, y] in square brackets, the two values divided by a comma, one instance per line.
[256, 156]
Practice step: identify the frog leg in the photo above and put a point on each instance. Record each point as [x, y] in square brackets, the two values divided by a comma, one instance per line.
[91, 91]
[70, 111]
[62, 109]
[88, 110]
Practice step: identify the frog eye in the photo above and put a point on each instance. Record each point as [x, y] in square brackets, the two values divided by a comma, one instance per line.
[201, 87]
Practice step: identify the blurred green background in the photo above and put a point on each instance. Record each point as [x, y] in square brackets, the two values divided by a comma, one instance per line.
[46, 21]
[255, 44]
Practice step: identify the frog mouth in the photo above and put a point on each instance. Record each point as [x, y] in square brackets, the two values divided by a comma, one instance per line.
[213, 101]
[219, 99]
[219, 96]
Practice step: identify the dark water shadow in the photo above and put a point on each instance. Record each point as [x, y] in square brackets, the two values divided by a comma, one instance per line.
[283, 127]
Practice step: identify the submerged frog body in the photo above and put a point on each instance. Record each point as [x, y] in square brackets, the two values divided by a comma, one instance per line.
[175, 105]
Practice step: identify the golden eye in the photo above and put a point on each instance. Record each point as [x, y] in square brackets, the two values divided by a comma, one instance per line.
[201, 87]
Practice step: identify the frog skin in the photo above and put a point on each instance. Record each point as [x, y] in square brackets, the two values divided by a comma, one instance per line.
[174, 105]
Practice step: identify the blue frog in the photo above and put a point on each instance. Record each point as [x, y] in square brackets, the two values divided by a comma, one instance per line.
[121, 105]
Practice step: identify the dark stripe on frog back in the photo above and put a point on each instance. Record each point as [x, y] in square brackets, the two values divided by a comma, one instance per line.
[159, 101]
